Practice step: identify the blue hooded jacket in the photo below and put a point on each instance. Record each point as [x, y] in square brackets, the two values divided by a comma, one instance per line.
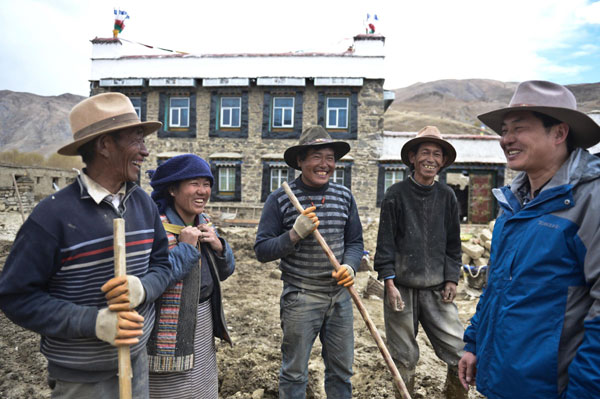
[536, 332]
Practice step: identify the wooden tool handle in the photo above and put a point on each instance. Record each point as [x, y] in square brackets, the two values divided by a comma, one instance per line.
[125, 373]
[361, 307]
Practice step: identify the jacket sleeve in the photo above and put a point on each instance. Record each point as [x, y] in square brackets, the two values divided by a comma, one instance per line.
[33, 260]
[453, 262]
[158, 277]
[226, 262]
[353, 238]
[272, 240]
[583, 371]
[385, 254]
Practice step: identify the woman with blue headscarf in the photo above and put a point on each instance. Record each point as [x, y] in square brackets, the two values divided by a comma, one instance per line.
[189, 314]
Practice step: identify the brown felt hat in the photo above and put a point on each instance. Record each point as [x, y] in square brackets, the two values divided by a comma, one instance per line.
[101, 114]
[429, 134]
[550, 99]
[314, 136]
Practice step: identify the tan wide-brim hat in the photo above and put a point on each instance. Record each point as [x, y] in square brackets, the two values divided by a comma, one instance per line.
[101, 114]
[314, 136]
[429, 134]
[550, 99]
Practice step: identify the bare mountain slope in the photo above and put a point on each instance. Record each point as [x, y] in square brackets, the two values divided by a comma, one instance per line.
[453, 105]
[32, 123]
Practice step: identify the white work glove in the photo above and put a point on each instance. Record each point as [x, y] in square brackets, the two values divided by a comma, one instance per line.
[344, 275]
[124, 293]
[119, 328]
[306, 223]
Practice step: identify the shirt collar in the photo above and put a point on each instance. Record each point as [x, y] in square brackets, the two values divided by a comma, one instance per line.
[97, 192]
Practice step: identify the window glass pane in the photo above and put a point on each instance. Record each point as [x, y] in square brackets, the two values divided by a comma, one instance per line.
[235, 119]
[277, 122]
[288, 117]
[226, 180]
[174, 117]
[184, 117]
[226, 117]
[179, 102]
[284, 102]
[278, 176]
[338, 176]
[331, 120]
[230, 102]
[337, 102]
[342, 118]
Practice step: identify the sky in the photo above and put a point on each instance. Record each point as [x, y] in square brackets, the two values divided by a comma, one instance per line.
[45, 44]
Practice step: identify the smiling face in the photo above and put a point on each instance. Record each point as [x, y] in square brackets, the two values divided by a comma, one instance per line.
[427, 160]
[528, 145]
[190, 197]
[318, 166]
[127, 155]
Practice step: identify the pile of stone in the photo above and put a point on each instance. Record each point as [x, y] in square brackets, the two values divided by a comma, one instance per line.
[476, 256]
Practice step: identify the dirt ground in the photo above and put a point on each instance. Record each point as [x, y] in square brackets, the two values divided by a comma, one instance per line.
[249, 369]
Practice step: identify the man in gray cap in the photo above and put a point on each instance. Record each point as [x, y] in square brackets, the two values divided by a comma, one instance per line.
[418, 257]
[536, 332]
[59, 277]
[314, 301]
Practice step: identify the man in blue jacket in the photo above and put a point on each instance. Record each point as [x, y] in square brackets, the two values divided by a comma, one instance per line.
[314, 301]
[58, 280]
[536, 332]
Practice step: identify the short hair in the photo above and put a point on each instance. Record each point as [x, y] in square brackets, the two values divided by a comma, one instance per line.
[549, 121]
[88, 150]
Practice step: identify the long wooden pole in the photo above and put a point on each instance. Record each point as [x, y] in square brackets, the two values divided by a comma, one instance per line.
[125, 373]
[354, 294]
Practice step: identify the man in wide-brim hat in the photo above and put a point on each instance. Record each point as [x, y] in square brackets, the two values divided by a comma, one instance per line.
[59, 277]
[537, 328]
[419, 258]
[314, 301]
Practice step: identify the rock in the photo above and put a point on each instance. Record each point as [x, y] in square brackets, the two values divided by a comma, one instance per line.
[481, 262]
[487, 244]
[275, 274]
[473, 250]
[485, 235]
[258, 394]
[374, 287]
[491, 225]
[466, 259]
[365, 264]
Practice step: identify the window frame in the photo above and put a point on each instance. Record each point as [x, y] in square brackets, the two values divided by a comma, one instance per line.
[266, 184]
[215, 120]
[179, 109]
[351, 131]
[226, 196]
[383, 167]
[231, 110]
[283, 112]
[328, 109]
[293, 132]
[164, 114]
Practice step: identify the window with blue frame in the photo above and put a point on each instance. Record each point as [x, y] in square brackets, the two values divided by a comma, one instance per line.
[283, 112]
[337, 111]
[179, 112]
[228, 180]
[137, 105]
[389, 174]
[231, 111]
[274, 174]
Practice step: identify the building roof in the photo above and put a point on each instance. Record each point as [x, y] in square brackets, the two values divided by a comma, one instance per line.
[469, 148]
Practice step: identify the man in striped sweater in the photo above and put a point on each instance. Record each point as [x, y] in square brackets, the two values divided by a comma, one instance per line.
[58, 278]
[314, 301]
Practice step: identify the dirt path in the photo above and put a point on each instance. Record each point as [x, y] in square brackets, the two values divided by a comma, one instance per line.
[250, 368]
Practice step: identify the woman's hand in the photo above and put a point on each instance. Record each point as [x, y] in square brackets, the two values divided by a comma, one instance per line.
[208, 235]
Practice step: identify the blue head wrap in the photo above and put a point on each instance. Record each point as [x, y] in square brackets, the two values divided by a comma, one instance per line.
[181, 167]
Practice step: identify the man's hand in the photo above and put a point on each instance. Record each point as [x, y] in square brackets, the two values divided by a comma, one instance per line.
[467, 369]
[123, 293]
[449, 292]
[306, 222]
[344, 275]
[119, 328]
[393, 296]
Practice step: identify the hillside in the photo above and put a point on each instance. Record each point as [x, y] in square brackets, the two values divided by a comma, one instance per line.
[32, 123]
[453, 105]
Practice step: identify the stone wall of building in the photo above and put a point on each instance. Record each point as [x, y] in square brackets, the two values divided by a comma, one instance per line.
[33, 182]
[364, 152]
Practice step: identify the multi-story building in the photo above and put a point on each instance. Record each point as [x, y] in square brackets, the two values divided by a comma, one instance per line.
[241, 111]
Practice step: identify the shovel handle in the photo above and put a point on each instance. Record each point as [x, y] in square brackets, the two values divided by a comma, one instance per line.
[125, 373]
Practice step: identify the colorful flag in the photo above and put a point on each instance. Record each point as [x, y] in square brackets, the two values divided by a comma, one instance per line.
[120, 17]
[370, 23]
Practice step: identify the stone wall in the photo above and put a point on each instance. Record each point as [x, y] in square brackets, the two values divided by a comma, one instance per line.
[34, 183]
[364, 153]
